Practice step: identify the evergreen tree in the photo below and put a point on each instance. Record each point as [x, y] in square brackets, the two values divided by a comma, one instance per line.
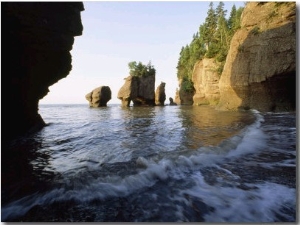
[222, 35]
[212, 41]
[210, 25]
[140, 70]
[232, 18]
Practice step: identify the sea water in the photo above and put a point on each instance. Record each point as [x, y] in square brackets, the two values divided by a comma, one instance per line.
[152, 164]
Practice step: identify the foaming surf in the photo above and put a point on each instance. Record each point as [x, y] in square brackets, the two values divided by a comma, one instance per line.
[227, 182]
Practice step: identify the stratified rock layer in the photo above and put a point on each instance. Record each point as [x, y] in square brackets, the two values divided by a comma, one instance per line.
[36, 41]
[139, 90]
[206, 82]
[260, 69]
[99, 96]
[160, 95]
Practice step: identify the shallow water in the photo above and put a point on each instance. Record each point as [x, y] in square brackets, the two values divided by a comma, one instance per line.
[155, 164]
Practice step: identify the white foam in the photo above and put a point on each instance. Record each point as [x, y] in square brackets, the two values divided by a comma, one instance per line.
[231, 204]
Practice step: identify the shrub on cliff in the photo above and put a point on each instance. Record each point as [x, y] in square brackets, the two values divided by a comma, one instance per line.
[141, 70]
[187, 85]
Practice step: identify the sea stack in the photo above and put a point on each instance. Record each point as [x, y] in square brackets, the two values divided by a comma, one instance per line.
[160, 95]
[99, 96]
[139, 90]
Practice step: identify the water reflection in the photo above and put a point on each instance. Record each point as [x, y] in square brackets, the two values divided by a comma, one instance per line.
[23, 168]
[205, 126]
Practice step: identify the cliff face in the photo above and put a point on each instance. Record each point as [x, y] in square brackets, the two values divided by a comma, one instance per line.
[206, 82]
[36, 41]
[260, 69]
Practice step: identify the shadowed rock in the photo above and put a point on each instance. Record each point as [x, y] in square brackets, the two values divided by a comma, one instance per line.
[260, 68]
[171, 101]
[37, 38]
[160, 95]
[99, 96]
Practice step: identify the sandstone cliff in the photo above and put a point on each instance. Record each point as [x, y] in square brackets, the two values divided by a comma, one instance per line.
[260, 69]
[206, 82]
[36, 41]
[139, 90]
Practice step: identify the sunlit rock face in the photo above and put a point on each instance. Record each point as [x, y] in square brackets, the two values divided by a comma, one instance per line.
[139, 90]
[260, 69]
[99, 96]
[36, 41]
[206, 82]
[160, 95]
[177, 98]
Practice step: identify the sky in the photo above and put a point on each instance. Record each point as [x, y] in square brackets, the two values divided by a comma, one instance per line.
[118, 32]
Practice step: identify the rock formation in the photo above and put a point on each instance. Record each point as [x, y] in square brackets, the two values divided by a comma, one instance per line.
[160, 95]
[206, 82]
[139, 90]
[186, 98]
[99, 96]
[260, 69]
[171, 101]
[177, 97]
[36, 41]
[183, 97]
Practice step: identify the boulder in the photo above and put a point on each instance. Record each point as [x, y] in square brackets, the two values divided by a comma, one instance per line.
[160, 95]
[99, 96]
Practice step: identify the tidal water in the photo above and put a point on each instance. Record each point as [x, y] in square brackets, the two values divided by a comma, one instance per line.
[152, 164]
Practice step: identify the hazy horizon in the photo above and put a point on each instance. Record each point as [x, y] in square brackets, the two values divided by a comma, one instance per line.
[116, 33]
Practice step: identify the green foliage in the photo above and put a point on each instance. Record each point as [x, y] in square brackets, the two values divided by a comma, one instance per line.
[187, 85]
[211, 41]
[141, 70]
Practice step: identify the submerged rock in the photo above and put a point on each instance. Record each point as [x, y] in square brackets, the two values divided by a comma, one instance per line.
[99, 96]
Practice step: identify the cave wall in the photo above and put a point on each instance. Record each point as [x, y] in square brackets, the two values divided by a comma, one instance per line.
[36, 41]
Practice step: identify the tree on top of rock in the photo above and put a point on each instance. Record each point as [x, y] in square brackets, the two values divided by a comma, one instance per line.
[141, 70]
